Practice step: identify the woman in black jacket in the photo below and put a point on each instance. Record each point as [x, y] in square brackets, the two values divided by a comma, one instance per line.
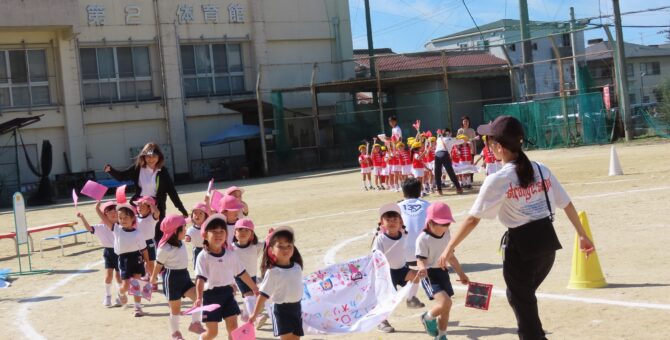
[151, 178]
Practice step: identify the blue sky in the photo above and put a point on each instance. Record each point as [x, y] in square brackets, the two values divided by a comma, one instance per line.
[406, 25]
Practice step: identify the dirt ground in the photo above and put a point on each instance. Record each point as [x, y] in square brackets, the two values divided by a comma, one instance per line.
[329, 211]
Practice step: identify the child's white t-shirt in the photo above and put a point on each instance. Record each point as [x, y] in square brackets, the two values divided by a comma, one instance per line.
[230, 231]
[392, 248]
[195, 235]
[501, 196]
[283, 284]
[413, 213]
[429, 247]
[249, 256]
[218, 270]
[104, 234]
[172, 257]
[127, 241]
[147, 226]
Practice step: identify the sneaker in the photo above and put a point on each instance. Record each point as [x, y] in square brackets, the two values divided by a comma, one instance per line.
[196, 327]
[385, 327]
[441, 337]
[261, 321]
[177, 336]
[365, 188]
[138, 312]
[429, 325]
[108, 301]
[414, 303]
[123, 299]
[117, 302]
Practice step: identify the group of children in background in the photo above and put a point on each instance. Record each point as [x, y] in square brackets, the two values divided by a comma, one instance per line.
[225, 256]
[391, 161]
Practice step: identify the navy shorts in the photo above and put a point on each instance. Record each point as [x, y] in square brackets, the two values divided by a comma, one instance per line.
[224, 297]
[196, 251]
[176, 282]
[437, 281]
[130, 264]
[111, 259]
[398, 276]
[243, 286]
[151, 248]
[287, 319]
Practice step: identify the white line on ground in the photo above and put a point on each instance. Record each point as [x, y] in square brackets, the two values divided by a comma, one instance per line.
[22, 321]
[616, 193]
[606, 182]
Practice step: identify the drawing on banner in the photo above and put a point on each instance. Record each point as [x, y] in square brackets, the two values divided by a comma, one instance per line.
[478, 295]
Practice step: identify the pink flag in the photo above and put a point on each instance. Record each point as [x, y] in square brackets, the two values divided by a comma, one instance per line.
[207, 308]
[429, 134]
[121, 194]
[75, 198]
[215, 200]
[94, 190]
[210, 186]
[244, 332]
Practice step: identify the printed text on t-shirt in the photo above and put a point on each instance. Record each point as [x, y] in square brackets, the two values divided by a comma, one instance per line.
[518, 192]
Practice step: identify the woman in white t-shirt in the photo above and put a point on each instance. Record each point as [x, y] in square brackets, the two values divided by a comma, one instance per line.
[524, 200]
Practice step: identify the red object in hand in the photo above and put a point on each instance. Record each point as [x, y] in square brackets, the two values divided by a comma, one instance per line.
[121, 194]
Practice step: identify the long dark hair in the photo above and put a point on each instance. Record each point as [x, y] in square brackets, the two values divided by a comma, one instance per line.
[267, 262]
[214, 223]
[523, 166]
[174, 239]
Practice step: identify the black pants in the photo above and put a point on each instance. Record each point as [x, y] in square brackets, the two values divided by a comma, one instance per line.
[522, 279]
[442, 159]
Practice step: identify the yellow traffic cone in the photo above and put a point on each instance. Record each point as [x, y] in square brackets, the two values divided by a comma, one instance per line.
[586, 272]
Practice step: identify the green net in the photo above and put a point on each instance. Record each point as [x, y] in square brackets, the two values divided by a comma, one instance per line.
[650, 122]
[558, 122]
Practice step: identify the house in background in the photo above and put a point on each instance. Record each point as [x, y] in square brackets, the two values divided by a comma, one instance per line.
[501, 38]
[646, 67]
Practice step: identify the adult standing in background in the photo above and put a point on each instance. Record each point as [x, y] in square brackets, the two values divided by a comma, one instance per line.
[465, 129]
[151, 178]
[523, 195]
[443, 145]
[395, 129]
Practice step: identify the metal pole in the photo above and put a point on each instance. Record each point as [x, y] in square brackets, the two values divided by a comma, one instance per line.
[561, 86]
[261, 121]
[575, 64]
[16, 155]
[642, 87]
[368, 26]
[381, 102]
[526, 50]
[620, 63]
[315, 112]
[445, 78]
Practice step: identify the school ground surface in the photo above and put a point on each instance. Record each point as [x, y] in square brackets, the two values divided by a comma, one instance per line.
[331, 215]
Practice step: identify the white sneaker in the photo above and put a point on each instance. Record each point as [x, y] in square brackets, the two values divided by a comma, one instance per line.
[107, 302]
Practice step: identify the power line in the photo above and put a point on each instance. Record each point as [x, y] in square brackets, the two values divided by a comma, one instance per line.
[473, 20]
[628, 13]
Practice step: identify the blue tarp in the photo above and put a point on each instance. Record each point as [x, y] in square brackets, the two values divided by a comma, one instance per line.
[234, 133]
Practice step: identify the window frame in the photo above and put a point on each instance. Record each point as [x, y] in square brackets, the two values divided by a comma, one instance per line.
[116, 79]
[212, 75]
[648, 68]
[29, 82]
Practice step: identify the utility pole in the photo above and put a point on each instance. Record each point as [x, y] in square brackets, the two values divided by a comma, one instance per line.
[368, 26]
[526, 50]
[620, 66]
[575, 64]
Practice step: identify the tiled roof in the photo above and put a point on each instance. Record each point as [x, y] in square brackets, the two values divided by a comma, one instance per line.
[430, 60]
[603, 50]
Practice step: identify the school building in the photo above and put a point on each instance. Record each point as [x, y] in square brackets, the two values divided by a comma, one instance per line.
[107, 76]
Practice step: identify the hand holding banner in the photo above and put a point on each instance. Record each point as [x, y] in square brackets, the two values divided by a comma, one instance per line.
[94, 190]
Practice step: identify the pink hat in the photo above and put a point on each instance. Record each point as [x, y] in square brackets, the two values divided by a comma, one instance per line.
[203, 227]
[107, 205]
[439, 213]
[233, 189]
[244, 223]
[126, 205]
[169, 226]
[145, 199]
[231, 203]
[200, 206]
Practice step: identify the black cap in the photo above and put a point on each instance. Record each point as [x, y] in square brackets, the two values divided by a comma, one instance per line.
[503, 126]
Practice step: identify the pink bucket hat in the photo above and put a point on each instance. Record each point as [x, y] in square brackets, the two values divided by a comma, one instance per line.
[126, 205]
[233, 189]
[200, 206]
[244, 223]
[203, 227]
[231, 203]
[107, 205]
[169, 226]
[439, 213]
[145, 199]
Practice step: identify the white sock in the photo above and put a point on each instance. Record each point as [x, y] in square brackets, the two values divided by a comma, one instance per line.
[250, 303]
[174, 323]
[108, 289]
[442, 332]
[363, 183]
[138, 305]
[429, 316]
[413, 291]
[195, 317]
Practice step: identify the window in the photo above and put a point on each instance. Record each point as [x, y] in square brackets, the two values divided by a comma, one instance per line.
[482, 45]
[512, 47]
[645, 99]
[212, 69]
[565, 39]
[650, 68]
[463, 46]
[23, 78]
[115, 74]
[631, 98]
[629, 70]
